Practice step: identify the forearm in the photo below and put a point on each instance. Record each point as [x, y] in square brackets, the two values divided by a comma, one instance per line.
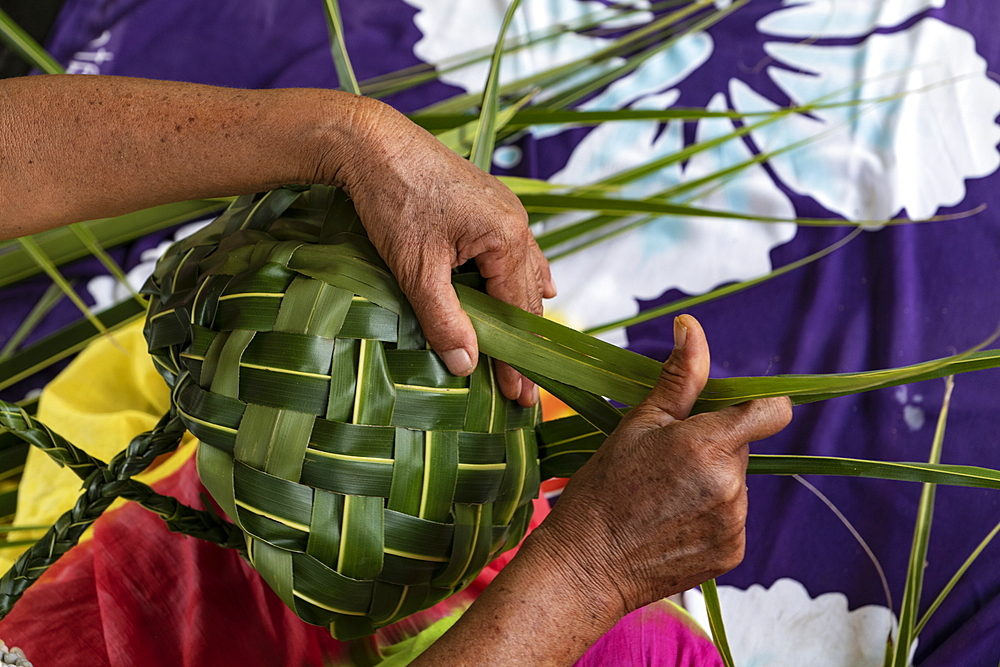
[538, 612]
[80, 147]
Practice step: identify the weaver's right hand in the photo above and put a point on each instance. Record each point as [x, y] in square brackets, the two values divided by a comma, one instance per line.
[661, 506]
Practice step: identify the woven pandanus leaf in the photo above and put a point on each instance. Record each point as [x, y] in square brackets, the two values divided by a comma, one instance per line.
[370, 483]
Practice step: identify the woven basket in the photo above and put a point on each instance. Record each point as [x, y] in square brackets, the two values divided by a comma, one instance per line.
[369, 482]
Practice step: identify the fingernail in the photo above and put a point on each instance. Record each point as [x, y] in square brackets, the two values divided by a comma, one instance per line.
[534, 394]
[680, 334]
[458, 361]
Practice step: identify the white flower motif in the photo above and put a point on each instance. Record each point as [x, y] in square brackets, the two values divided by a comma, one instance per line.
[107, 291]
[840, 18]
[782, 626]
[693, 255]
[871, 161]
[865, 161]
[458, 27]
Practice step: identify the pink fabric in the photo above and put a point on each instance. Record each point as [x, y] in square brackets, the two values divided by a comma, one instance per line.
[652, 636]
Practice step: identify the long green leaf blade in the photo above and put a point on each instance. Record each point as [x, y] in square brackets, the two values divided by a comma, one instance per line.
[46, 265]
[64, 343]
[462, 138]
[621, 47]
[577, 437]
[410, 77]
[52, 295]
[714, 609]
[558, 203]
[952, 475]
[720, 392]
[338, 48]
[954, 580]
[573, 358]
[25, 46]
[91, 243]
[543, 116]
[62, 246]
[482, 145]
[921, 540]
[565, 98]
[544, 347]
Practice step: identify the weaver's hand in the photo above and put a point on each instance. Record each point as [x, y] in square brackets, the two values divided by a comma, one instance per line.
[427, 211]
[658, 509]
[152, 142]
[661, 506]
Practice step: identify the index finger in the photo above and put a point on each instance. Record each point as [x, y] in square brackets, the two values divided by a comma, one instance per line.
[517, 273]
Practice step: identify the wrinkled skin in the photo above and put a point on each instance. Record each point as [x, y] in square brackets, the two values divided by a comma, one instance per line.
[660, 508]
[83, 147]
[428, 211]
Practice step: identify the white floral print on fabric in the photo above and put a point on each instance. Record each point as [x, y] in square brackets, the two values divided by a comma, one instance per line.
[693, 255]
[107, 291]
[871, 161]
[852, 160]
[841, 18]
[782, 626]
[458, 27]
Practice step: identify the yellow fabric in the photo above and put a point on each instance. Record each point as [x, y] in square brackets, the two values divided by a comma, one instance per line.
[109, 394]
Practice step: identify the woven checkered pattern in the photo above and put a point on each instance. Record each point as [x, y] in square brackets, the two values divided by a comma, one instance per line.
[370, 482]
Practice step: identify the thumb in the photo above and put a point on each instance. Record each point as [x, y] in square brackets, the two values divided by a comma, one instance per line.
[682, 377]
[446, 327]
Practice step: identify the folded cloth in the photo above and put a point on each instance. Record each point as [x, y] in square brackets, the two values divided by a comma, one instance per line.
[137, 594]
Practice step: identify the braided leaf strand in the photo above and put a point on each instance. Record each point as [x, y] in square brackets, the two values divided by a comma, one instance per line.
[103, 483]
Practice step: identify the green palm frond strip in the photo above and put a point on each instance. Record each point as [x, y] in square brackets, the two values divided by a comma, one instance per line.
[365, 480]
[103, 484]
[370, 483]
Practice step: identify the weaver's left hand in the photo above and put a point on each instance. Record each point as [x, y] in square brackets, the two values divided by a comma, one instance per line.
[427, 211]
[152, 142]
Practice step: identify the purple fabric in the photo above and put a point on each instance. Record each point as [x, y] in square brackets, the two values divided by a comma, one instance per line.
[21, 297]
[898, 296]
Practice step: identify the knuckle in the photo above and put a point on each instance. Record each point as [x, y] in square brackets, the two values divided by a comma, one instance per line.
[722, 492]
[730, 487]
[672, 381]
[733, 555]
[781, 411]
[534, 304]
[774, 413]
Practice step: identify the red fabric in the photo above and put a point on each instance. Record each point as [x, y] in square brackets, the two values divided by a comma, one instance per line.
[137, 594]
